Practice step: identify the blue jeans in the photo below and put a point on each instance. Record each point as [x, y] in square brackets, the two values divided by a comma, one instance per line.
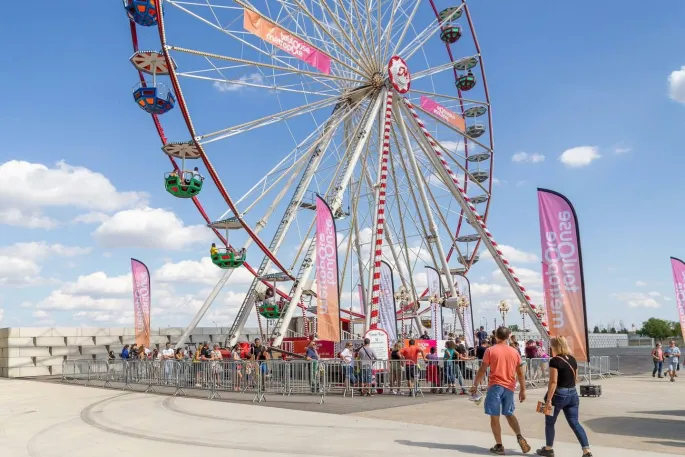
[566, 400]
[658, 367]
[349, 374]
[453, 373]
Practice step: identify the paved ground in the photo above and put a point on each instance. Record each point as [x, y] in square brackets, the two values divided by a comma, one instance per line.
[39, 419]
[634, 412]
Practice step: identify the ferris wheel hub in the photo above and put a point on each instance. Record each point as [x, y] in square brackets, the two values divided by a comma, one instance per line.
[398, 73]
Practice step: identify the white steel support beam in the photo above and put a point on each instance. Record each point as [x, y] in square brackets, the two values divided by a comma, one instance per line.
[336, 203]
[475, 219]
[318, 153]
[432, 226]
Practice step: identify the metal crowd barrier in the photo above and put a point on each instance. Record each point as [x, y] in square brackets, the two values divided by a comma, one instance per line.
[317, 378]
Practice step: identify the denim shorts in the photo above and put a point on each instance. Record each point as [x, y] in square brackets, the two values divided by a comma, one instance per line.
[366, 375]
[499, 401]
[672, 365]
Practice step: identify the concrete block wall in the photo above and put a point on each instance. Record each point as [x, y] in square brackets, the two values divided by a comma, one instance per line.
[40, 351]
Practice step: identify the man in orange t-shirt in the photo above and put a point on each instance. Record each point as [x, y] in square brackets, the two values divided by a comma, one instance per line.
[505, 365]
[411, 355]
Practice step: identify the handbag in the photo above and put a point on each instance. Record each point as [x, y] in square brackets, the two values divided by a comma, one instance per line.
[541, 406]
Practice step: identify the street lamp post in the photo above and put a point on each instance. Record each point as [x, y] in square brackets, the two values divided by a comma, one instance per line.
[434, 300]
[523, 312]
[403, 297]
[503, 309]
[463, 304]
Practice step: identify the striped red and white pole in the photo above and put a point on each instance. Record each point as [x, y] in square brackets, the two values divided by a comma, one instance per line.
[380, 216]
[472, 209]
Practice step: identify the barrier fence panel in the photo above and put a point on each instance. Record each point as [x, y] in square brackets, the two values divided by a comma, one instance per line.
[317, 378]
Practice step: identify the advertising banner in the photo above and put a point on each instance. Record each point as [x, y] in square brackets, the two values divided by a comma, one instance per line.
[141, 302]
[562, 271]
[679, 281]
[327, 290]
[387, 310]
[437, 110]
[282, 39]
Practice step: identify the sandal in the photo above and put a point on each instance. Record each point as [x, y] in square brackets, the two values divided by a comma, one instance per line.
[497, 449]
[525, 447]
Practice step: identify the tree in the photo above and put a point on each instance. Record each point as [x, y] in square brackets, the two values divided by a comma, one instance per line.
[658, 329]
[514, 328]
[612, 330]
[604, 330]
[596, 329]
[676, 329]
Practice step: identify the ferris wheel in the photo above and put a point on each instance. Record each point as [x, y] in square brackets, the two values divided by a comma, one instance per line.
[379, 106]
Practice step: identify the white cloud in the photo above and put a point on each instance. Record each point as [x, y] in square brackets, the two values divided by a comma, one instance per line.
[499, 182]
[2, 314]
[513, 255]
[654, 294]
[19, 262]
[580, 156]
[199, 272]
[636, 300]
[524, 157]
[241, 83]
[149, 228]
[99, 284]
[640, 283]
[92, 217]
[34, 187]
[40, 314]
[521, 183]
[622, 150]
[453, 146]
[676, 85]
[41, 249]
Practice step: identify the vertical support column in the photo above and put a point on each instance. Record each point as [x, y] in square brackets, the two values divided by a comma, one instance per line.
[477, 221]
[434, 237]
[371, 318]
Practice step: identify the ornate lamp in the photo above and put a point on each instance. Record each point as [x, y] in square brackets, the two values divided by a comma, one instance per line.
[503, 309]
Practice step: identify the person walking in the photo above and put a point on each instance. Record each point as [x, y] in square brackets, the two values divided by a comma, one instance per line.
[562, 396]
[505, 366]
[673, 358]
[658, 358]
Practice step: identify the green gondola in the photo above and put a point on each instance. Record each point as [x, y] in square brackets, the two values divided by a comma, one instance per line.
[187, 187]
[228, 259]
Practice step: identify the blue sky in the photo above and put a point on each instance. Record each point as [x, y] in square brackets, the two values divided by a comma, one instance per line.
[560, 77]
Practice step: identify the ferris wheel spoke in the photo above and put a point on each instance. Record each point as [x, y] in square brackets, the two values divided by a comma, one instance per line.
[296, 35]
[247, 83]
[364, 30]
[432, 71]
[421, 39]
[363, 57]
[405, 29]
[452, 127]
[449, 97]
[236, 35]
[434, 234]
[325, 29]
[267, 120]
[262, 64]
[361, 42]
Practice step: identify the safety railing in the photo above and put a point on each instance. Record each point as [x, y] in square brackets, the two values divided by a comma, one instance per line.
[318, 378]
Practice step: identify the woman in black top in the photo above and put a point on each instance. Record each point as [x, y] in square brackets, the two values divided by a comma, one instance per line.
[562, 396]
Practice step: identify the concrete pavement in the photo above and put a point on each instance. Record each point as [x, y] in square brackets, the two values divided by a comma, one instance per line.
[53, 420]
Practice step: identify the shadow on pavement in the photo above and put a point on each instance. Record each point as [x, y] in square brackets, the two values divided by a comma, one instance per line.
[680, 413]
[637, 427]
[465, 448]
[667, 443]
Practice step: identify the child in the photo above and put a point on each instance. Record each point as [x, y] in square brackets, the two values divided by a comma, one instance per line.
[432, 374]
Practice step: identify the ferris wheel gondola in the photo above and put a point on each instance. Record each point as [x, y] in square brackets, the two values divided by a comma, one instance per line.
[340, 83]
